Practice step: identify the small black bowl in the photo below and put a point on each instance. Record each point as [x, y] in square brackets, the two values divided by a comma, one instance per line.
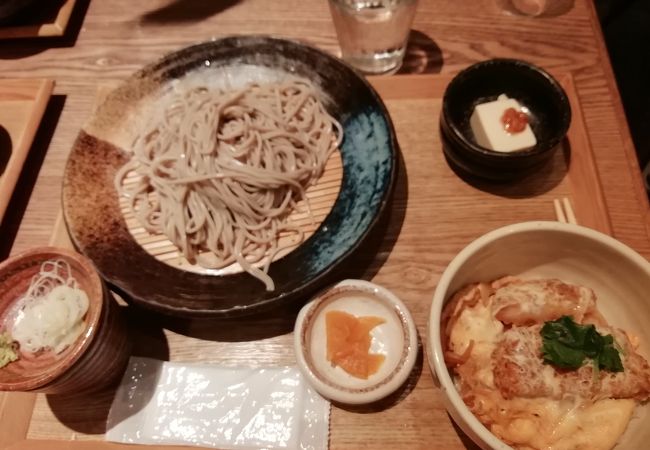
[549, 118]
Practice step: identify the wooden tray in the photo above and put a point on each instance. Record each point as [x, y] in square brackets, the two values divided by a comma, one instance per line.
[406, 254]
[48, 24]
[22, 104]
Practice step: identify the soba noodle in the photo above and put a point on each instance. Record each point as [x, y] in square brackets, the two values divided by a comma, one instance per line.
[220, 172]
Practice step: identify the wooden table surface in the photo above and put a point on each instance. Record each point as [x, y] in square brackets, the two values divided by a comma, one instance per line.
[108, 40]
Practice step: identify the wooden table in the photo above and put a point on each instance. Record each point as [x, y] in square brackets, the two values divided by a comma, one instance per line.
[115, 38]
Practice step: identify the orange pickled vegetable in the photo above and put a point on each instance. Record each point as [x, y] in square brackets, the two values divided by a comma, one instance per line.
[348, 343]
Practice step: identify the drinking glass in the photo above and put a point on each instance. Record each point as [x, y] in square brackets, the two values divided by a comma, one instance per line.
[373, 33]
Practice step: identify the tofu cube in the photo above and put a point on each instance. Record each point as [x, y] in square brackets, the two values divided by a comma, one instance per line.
[489, 131]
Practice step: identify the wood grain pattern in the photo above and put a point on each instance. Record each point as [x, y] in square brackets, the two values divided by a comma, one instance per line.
[16, 409]
[22, 104]
[438, 200]
[119, 37]
[588, 198]
[417, 241]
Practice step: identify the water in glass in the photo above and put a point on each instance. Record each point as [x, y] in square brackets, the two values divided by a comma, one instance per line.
[373, 33]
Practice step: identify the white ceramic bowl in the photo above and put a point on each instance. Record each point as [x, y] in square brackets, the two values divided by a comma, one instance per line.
[396, 339]
[619, 276]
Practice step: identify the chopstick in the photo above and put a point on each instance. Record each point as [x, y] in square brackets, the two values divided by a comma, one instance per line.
[564, 211]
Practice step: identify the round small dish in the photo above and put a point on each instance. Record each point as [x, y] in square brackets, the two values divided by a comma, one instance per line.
[396, 339]
[532, 87]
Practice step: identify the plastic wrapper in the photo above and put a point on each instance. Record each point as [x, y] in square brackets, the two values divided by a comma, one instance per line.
[195, 404]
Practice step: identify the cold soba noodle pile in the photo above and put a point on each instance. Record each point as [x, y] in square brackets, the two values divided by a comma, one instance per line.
[220, 171]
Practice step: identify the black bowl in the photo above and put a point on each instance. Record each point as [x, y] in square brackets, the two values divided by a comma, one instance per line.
[10, 8]
[549, 118]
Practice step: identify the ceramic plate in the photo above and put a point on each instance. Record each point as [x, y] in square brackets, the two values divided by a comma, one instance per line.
[98, 228]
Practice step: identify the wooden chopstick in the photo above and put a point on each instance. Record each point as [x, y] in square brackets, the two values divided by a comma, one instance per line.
[564, 211]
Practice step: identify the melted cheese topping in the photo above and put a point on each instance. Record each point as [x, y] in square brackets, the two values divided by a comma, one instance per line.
[538, 423]
[566, 425]
[478, 325]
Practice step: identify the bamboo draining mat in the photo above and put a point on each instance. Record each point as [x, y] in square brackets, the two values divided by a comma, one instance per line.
[56, 18]
[22, 104]
[434, 213]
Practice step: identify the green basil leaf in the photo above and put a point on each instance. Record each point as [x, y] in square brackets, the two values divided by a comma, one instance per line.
[593, 343]
[566, 344]
[609, 359]
[560, 355]
[559, 330]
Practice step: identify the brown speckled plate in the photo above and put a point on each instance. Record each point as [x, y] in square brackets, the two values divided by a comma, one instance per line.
[97, 227]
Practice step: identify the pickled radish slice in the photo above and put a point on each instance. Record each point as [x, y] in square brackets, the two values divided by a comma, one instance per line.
[348, 343]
